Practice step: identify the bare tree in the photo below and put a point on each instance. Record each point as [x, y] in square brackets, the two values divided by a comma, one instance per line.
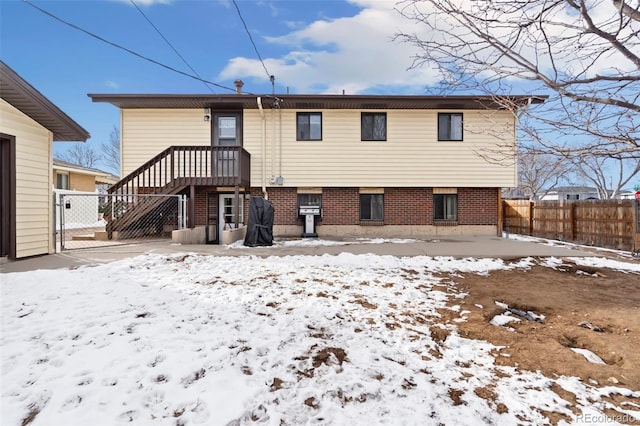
[584, 53]
[81, 154]
[592, 171]
[540, 173]
[111, 151]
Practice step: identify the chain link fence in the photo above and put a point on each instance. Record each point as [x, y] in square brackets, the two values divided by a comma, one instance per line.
[89, 220]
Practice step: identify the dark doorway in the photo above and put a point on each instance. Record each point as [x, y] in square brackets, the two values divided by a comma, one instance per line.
[7, 196]
[212, 218]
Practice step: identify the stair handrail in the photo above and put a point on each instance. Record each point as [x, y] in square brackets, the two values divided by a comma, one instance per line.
[137, 172]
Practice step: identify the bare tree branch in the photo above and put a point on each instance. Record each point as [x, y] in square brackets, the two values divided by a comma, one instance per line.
[80, 154]
[111, 150]
[585, 54]
[627, 10]
[540, 173]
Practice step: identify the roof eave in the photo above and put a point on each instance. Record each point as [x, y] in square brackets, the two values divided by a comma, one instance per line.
[139, 101]
[19, 93]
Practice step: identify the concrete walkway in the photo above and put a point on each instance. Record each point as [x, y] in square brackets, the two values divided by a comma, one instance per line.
[458, 247]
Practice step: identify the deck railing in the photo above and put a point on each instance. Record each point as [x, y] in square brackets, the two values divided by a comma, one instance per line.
[179, 166]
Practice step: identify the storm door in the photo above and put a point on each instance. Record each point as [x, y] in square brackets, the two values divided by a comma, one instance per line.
[227, 135]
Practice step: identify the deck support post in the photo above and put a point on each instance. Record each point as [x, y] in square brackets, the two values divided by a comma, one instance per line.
[236, 205]
[192, 207]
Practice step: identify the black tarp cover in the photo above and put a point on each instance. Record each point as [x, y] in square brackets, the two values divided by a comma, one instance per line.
[260, 224]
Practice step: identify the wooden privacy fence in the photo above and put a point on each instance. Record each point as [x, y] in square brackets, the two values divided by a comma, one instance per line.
[602, 223]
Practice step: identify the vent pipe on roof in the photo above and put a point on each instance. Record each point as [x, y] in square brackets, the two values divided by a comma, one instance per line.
[239, 84]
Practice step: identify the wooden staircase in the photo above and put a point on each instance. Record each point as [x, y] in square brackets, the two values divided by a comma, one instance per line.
[137, 198]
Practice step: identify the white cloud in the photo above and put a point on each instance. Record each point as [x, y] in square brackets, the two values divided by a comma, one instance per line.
[356, 54]
[111, 84]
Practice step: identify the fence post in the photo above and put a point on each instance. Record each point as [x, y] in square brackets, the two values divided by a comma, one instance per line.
[183, 208]
[531, 207]
[55, 224]
[61, 222]
[572, 221]
[500, 214]
[635, 213]
[179, 200]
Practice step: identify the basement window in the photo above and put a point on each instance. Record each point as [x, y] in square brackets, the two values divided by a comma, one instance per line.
[445, 207]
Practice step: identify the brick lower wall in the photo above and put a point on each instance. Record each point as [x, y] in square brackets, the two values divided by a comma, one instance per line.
[341, 206]
[478, 206]
[408, 206]
[285, 204]
[402, 206]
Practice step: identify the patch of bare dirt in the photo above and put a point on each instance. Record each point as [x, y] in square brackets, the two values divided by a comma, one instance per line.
[33, 412]
[456, 396]
[595, 309]
[329, 356]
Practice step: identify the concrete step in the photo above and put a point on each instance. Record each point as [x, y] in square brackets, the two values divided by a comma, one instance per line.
[86, 237]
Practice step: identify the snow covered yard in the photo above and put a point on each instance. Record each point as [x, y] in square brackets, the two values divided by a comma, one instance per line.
[193, 339]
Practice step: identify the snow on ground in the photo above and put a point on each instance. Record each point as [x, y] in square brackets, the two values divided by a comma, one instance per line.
[193, 339]
[319, 242]
[569, 245]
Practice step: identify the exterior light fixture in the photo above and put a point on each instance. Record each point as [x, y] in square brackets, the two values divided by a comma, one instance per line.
[207, 114]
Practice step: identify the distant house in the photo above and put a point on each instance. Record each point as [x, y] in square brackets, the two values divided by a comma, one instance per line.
[514, 194]
[77, 178]
[29, 123]
[376, 166]
[627, 194]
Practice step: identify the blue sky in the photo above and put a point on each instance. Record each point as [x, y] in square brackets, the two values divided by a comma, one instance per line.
[310, 47]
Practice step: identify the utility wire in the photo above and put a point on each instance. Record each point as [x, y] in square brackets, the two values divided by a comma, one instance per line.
[269, 76]
[126, 49]
[170, 45]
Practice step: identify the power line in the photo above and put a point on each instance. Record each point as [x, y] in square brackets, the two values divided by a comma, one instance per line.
[126, 49]
[170, 45]
[269, 75]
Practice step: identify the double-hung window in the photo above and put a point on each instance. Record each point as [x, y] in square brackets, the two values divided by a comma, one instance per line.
[372, 207]
[309, 126]
[62, 181]
[445, 207]
[373, 126]
[449, 126]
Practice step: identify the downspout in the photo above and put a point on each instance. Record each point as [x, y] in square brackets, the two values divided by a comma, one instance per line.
[280, 147]
[273, 145]
[264, 149]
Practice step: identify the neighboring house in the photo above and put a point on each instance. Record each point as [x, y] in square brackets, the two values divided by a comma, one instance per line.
[29, 123]
[77, 178]
[627, 194]
[379, 166]
[569, 193]
[74, 181]
[514, 194]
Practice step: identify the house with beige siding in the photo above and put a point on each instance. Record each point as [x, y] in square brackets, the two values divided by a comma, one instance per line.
[75, 177]
[378, 166]
[29, 123]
